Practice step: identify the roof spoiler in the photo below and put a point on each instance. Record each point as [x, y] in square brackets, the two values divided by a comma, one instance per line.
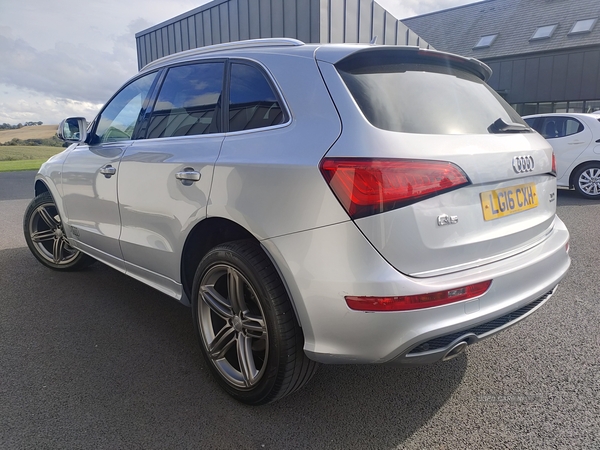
[408, 54]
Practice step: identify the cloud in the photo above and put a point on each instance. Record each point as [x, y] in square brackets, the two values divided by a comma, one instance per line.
[53, 66]
[20, 105]
[69, 71]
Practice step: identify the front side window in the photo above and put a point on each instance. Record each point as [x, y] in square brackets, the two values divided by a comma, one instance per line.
[252, 102]
[119, 118]
[425, 98]
[189, 101]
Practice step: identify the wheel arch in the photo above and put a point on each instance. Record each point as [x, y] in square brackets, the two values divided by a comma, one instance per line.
[209, 233]
[40, 187]
[204, 236]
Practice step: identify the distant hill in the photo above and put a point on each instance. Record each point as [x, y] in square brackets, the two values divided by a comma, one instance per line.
[34, 132]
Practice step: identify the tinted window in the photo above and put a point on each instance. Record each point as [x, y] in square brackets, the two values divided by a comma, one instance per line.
[425, 98]
[118, 119]
[557, 127]
[252, 102]
[188, 102]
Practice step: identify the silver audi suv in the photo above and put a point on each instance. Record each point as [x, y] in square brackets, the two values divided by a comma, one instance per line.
[312, 204]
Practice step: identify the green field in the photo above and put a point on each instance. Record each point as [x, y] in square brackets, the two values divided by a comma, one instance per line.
[20, 157]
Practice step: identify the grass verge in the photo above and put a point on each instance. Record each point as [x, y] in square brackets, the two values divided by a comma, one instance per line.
[21, 157]
[26, 164]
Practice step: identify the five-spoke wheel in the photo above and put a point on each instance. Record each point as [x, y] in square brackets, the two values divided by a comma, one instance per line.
[45, 236]
[233, 326]
[247, 328]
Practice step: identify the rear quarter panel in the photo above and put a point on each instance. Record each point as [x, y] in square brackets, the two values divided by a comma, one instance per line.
[268, 180]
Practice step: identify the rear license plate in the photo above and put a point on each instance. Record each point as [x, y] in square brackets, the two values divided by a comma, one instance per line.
[504, 202]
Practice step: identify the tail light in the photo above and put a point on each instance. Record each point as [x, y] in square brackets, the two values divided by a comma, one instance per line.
[366, 186]
[412, 302]
[553, 164]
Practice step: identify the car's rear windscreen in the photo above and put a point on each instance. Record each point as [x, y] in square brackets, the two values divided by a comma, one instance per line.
[425, 98]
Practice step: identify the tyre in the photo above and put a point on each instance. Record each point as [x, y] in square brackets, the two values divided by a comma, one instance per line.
[587, 181]
[246, 326]
[45, 236]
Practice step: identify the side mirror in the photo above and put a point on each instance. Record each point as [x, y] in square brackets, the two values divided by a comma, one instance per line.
[72, 129]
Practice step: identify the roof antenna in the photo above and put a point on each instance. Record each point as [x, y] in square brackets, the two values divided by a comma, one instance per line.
[373, 41]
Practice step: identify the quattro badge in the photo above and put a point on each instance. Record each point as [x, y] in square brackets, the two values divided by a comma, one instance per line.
[445, 219]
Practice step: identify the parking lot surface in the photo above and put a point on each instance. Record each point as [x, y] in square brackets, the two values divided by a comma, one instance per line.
[95, 359]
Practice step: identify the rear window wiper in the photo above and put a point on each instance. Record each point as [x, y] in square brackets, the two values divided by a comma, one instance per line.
[500, 126]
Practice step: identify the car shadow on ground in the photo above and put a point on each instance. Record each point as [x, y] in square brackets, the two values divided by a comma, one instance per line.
[569, 197]
[94, 358]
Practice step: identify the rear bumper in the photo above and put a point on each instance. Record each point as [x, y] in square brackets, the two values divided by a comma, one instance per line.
[322, 266]
[438, 348]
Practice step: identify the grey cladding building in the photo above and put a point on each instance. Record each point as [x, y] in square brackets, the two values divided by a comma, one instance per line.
[311, 21]
[545, 54]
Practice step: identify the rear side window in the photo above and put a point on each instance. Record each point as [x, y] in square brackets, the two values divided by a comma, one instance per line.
[557, 127]
[252, 102]
[424, 98]
[189, 101]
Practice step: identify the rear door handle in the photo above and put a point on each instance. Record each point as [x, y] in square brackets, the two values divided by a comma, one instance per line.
[108, 171]
[188, 176]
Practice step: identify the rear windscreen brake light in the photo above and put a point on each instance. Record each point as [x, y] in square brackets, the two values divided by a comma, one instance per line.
[366, 186]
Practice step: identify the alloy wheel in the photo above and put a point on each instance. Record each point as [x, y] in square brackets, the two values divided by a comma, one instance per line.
[233, 326]
[589, 181]
[48, 237]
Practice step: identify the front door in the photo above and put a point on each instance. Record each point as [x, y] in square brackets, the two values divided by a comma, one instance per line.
[91, 173]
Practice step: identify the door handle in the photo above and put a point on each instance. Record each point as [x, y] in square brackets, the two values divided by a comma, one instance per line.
[108, 171]
[188, 176]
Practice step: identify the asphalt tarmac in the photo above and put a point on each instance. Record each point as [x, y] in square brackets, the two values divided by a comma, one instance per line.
[97, 360]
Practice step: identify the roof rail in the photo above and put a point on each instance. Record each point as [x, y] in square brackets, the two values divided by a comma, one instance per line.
[251, 43]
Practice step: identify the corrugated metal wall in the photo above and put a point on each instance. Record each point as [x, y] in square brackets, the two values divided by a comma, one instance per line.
[335, 21]
[354, 21]
[561, 76]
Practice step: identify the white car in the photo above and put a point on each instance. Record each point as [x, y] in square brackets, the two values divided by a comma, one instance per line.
[575, 139]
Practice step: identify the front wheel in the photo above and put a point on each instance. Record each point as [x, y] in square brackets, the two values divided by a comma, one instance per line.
[45, 236]
[587, 181]
[246, 325]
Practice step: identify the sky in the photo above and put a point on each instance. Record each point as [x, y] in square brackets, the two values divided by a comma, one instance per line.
[65, 58]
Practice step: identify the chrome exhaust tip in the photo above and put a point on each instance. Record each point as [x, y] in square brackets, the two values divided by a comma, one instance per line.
[455, 351]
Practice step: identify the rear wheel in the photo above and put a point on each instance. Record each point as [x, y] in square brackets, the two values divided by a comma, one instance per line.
[246, 325]
[587, 181]
[45, 236]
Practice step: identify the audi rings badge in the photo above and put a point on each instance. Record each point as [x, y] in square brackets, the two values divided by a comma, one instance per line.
[522, 164]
